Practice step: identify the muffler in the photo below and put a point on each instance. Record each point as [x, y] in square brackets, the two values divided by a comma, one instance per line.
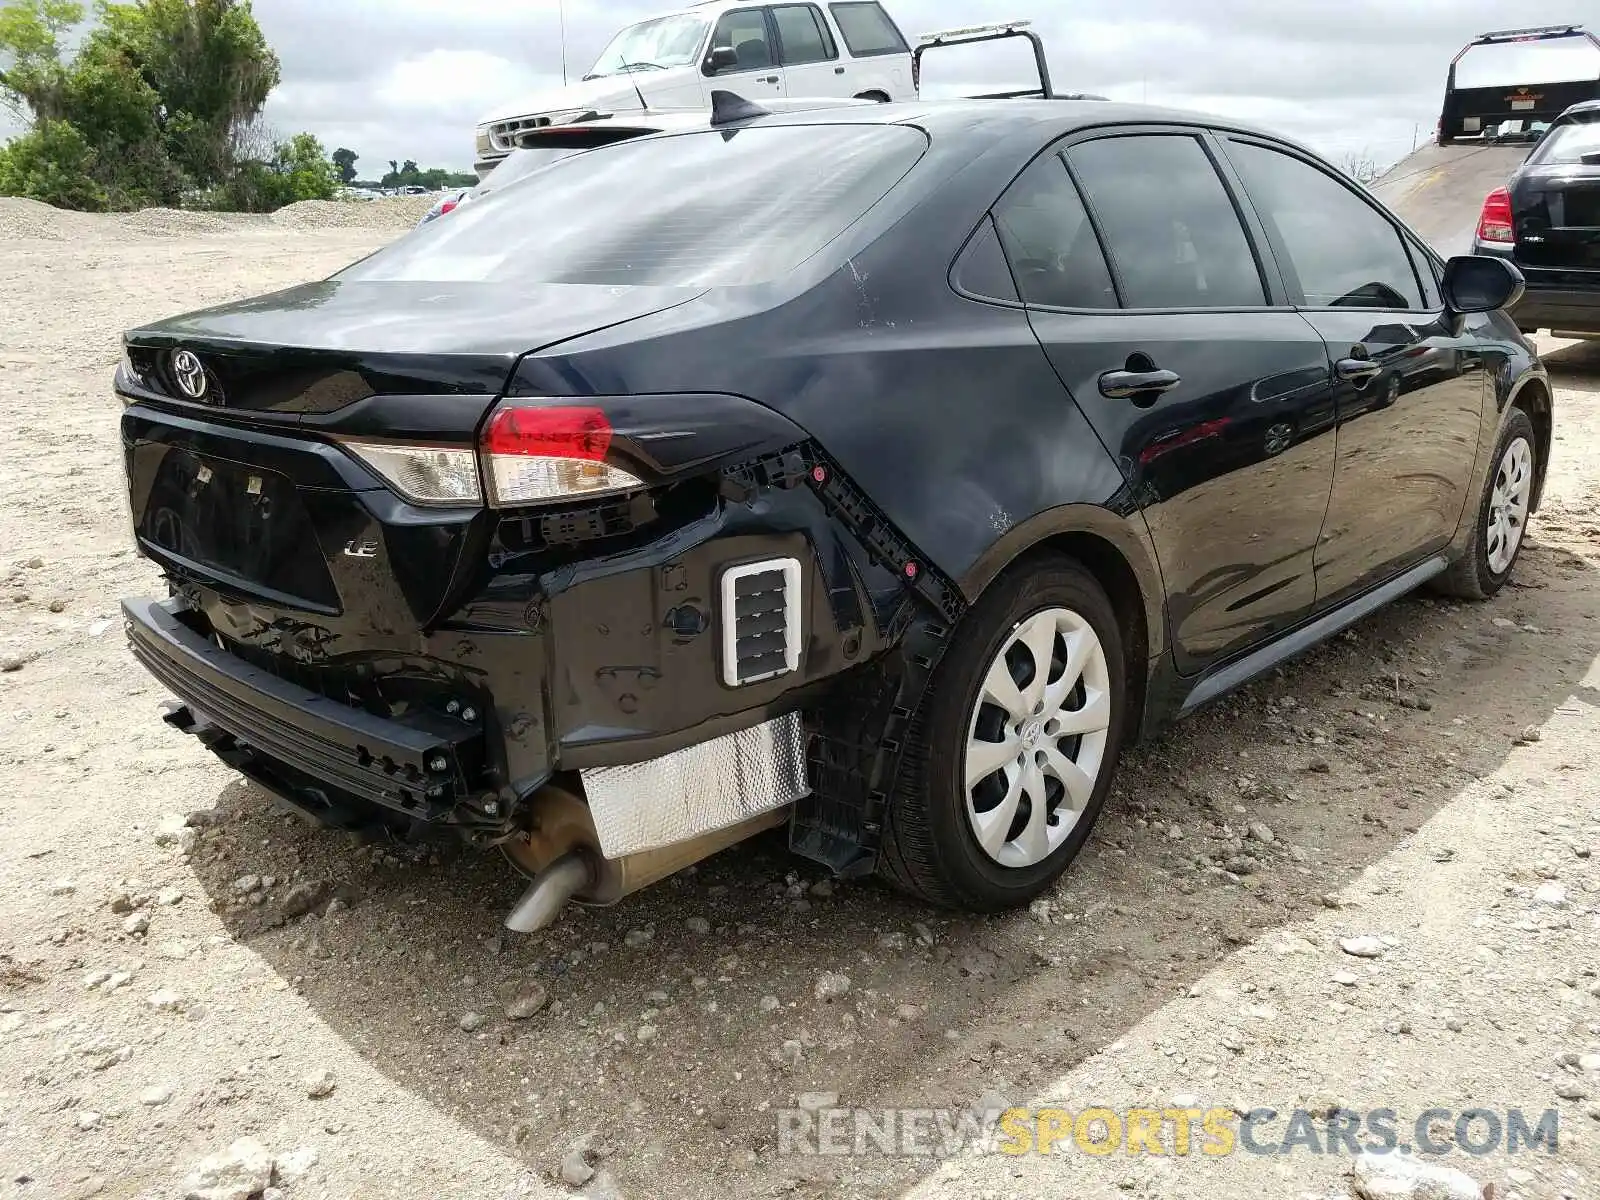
[560, 852]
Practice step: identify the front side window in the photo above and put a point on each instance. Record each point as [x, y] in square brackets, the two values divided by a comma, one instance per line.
[652, 46]
[1343, 252]
[702, 209]
[801, 36]
[1050, 242]
[868, 30]
[1172, 233]
[745, 29]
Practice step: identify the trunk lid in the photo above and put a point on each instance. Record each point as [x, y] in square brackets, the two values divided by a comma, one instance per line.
[237, 480]
[1556, 213]
[322, 346]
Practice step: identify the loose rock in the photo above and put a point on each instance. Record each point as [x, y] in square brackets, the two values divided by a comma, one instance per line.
[472, 1022]
[320, 1084]
[242, 1172]
[1365, 946]
[1262, 833]
[532, 999]
[166, 1000]
[831, 986]
[155, 1097]
[1402, 1177]
[575, 1169]
[138, 923]
[698, 925]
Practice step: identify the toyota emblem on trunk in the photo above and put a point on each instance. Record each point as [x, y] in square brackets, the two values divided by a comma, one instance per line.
[190, 373]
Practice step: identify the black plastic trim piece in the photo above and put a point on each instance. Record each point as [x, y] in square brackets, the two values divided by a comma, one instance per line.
[1231, 675]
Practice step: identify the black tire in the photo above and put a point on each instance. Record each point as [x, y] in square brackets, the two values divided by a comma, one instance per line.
[929, 849]
[1470, 577]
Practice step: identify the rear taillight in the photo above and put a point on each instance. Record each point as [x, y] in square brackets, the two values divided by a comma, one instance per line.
[448, 206]
[1494, 224]
[537, 453]
[432, 475]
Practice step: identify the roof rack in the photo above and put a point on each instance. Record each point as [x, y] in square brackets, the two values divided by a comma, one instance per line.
[969, 34]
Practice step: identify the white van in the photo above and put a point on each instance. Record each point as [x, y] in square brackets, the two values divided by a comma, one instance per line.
[848, 48]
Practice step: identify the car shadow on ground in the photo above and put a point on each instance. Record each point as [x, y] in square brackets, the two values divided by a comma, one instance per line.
[671, 1046]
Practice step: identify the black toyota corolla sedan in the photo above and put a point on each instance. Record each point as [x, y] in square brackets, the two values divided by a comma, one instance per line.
[878, 473]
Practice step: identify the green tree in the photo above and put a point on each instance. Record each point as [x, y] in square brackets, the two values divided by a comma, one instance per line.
[52, 163]
[297, 169]
[345, 160]
[163, 91]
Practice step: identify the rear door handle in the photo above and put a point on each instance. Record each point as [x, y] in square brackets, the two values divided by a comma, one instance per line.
[1357, 368]
[1123, 385]
[838, 70]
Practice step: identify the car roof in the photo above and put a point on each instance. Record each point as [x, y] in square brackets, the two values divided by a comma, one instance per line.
[1581, 108]
[983, 120]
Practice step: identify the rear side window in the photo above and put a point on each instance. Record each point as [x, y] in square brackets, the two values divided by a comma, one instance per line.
[1050, 241]
[1171, 230]
[982, 271]
[1343, 252]
[801, 35]
[701, 209]
[868, 30]
[745, 29]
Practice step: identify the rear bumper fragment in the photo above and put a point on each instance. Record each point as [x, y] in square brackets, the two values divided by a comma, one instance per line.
[415, 765]
[1550, 308]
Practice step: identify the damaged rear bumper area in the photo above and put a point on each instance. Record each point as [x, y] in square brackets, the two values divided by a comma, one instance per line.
[608, 696]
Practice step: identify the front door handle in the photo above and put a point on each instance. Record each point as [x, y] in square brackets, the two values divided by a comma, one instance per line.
[1361, 369]
[768, 79]
[1123, 385]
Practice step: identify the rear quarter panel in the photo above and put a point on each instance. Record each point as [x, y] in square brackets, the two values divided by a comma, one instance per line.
[945, 410]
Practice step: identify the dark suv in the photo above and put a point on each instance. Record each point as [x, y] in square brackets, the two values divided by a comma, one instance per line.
[1547, 221]
[879, 472]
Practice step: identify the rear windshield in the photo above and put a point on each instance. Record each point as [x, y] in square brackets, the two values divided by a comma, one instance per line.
[1506, 64]
[706, 209]
[1567, 144]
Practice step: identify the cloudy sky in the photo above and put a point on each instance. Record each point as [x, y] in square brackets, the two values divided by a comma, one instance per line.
[410, 78]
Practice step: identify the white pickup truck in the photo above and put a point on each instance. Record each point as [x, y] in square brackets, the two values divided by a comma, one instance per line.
[846, 48]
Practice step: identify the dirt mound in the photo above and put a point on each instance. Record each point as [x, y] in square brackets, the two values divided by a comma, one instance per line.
[29, 219]
[392, 212]
[173, 222]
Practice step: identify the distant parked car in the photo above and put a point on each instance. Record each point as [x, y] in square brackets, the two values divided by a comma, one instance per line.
[765, 53]
[1545, 219]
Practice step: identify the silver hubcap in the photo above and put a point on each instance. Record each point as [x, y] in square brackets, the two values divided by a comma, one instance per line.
[1036, 742]
[1508, 506]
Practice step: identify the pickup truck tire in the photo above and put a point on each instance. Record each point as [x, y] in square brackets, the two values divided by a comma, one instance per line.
[943, 838]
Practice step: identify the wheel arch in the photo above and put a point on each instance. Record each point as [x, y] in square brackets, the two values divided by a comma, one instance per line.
[875, 94]
[1122, 562]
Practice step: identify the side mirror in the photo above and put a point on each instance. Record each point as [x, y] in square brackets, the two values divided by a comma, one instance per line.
[1480, 283]
[720, 59]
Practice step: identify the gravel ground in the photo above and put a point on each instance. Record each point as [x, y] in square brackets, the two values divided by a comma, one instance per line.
[183, 967]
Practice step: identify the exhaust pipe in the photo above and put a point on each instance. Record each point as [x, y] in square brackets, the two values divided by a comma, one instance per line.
[548, 894]
[560, 853]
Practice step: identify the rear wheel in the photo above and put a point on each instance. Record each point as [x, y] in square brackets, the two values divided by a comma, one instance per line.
[1011, 758]
[1502, 521]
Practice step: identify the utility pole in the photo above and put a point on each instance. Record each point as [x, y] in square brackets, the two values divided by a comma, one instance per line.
[561, 11]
